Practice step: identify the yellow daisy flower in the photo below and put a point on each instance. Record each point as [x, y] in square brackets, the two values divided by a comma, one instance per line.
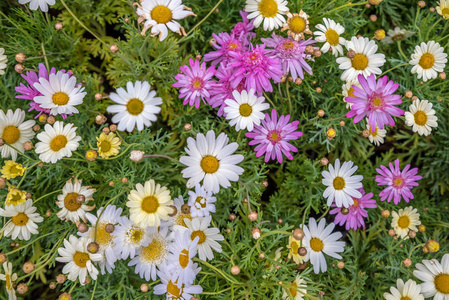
[16, 197]
[108, 145]
[11, 169]
[294, 245]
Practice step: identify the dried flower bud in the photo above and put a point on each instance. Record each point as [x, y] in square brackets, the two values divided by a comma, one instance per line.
[20, 57]
[58, 26]
[22, 288]
[2, 183]
[324, 161]
[433, 246]
[27, 146]
[28, 267]
[379, 34]
[109, 228]
[350, 54]
[373, 18]
[100, 119]
[175, 211]
[412, 234]
[187, 127]
[331, 133]
[309, 49]
[298, 81]
[298, 233]
[374, 2]
[317, 53]
[106, 130]
[91, 155]
[425, 250]
[232, 217]
[265, 183]
[385, 213]
[3, 258]
[235, 270]
[43, 118]
[321, 113]
[212, 42]
[422, 4]
[51, 120]
[111, 183]
[185, 209]
[136, 155]
[280, 221]
[391, 232]
[113, 48]
[256, 232]
[82, 227]
[228, 230]
[65, 296]
[365, 133]
[318, 90]
[198, 56]
[52, 286]
[407, 262]
[98, 96]
[421, 228]
[113, 128]
[442, 75]
[408, 94]
[261, 255]
[93, 247]
[302, 251]
[252, 216]
[60, 278]
[340, 265]
[144, 287]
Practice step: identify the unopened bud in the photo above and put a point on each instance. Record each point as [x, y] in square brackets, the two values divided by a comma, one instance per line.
[321, 113]
[100, 119]
[232, 217]
[350, 54]
[340, 265]
[302, 251]
[235, 270]
[51, 120]
[20, 57]
[22, 288]
[19, 68]
[58, 26]
[27, 146]
[98, 96]
[60, 278]
[385, 213]
[391, 232]
[36, 127]
[252, 216]
[433, 246]
[93, 247]
[407, 262]
[366, 133]
[187, 127]
[144, 287]
[28, 267]
[113, 48]
[324, 161]
[82, 228]
[408, 94]
[185, 209]
[136, 155]
[298, 234]
[256, 232]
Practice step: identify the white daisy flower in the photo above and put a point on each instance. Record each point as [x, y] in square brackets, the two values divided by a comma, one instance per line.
[149, 204]
[105, 240]
[160, 15]
[319, 239]
[405, 220]
[79, 260]
[9, 277]
[173, 292]
[136, 106]
[376, 137]
[211, 159]
[330, 33]
[428, 59]
[23, 220]
[3, 61]
[201, 202]
[443, 9]
[128, 238]
[154, 255]
[181, 258]
[348, 90]
[409, 291]
[246, 110]
[178, 218]
[435, 277]
[71, 209]
[41, 4]
[366, 61]
[395, 35]
[341, 184]
[297, 290]
[208, 237]
[14, 131]
[421, 117]
[268, 11]
[57, 141]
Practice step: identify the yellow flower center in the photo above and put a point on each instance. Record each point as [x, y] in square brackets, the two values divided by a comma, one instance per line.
[21, 219]
[135, 234]
[184, 258]
[11, 134]
[445, 11]
[8, 282]
[200, 234]
[17, 170]
[268, 8]
[210, 164]
[274, 137]
[180, 219]
[105, 146]
[150, 204]
[332, 37]
[245, 110]
[339, 183]
[293, 291]
[398, 181]
[351, 92]
[155, 251]
[356, 202]
[420, 118]
[104, 238]
[427, 60]
[70, 202]
[232, 45]
[197, 84]
[297, 24]
[294, 246]
[173, 290]
[58, 142]
[403, 222]
[288, 45]
[376, 101]
[316, 244]
[60, 98]
[81, 259]
[135, 106]
[442, 283]
[203, 204]
[360, 62]
[405, 298]
[161, 14]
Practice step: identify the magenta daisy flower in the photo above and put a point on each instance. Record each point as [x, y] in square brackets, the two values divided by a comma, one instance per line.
[242, 30]
[399, 183]
[224, 44]
[195, 83]
[375, 101]
[291, 54]
[354, 214]
[256, 67]
[272, 137]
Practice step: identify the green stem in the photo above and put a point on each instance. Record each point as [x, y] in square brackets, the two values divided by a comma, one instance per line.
[160, 155]
[45, 56]
[232, 280]
[400, 50]
[93, 292]
[269, 100]
[42, 197]
[26, 170]
[325, 213]
[343, 6]
[288, 98]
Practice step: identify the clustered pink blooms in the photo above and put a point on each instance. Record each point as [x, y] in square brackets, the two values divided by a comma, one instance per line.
[242, 30]
[399, 183]
[225, 43]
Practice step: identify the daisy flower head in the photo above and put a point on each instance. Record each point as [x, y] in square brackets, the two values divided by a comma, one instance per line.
[41, 4]
[330, 33]
[9, 277]
[79, 262]
[11, 169]
[376, 101]
[15, 197]
[128, 238]
[195, 82]
[410, 291]
[366, 61]
[319, 239]
[428, 59]
[256, 67]
[153, 254]
[291, 53]
[14, 131]
[297, 25]
[23, 220]
[160, 15]
[353, 216]
[341, 184]
[224, 43]
[242, 30]
[201, 202]
[105, 240]
[297, 290]
[396, 35]
[421, 117]
[405, 220]
[348, 90]
[399, 183]
[435, 277]
[377, 136]
[273, 136]
[149, 204]
[245, 110]
[3, 61]
[212, 161]
[170, 287]
[293, 246]
[71, 209]
[443, 8]
[108, 145]
[57, 141]
[267, 11]
[136, 106]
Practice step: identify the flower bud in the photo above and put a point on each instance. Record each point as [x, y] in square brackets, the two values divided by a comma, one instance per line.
[331, 133]
[351, 54]
[235, 270]
[324, 161]
[187, 127]
[256, 232]
[113, 48]
[379, 34]
[20, 57]
[421, 228]
[252, 216]
[82, 228]
[93, 247]
[391, 232]
[3, 258]
[340, 265]
[422, 4]
[302, 251]
[321, 113]
[36, 127]
[58, 26]
[412, 234]
[144, 287]
[442, 75]
[109, 228]
[52, 285]
[298, 234]
[232, 217]
[385, 213]
[433, 246]
[113, 128]
[60, 278]
[28, 267]
[407, 262]
[65, 296]
[100, 119]
[366, 133]
[19, 68]
[408, 94]
[22, 288]
[136, 155]
[98, 96]
[51, 120]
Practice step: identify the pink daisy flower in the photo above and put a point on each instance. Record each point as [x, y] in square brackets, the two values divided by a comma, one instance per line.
[272, 137]
[375, 101]
[291, 53]
[242, 30]
[354, 214]
[195, 83]
[399, 182]
[224, 44]
[257, 68]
